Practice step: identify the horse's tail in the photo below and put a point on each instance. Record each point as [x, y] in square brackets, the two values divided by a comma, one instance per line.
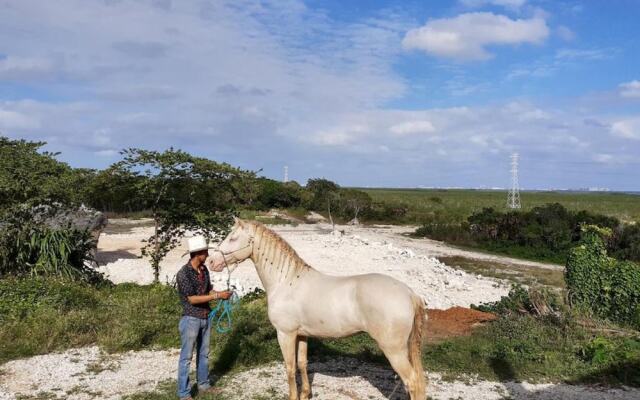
[415, 346]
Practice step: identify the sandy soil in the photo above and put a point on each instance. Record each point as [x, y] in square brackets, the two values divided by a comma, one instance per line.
[87, 373]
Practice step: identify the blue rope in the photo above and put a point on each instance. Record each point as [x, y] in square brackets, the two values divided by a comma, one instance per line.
[224, 307]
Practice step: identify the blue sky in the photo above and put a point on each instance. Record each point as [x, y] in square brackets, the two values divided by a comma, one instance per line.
[366, 93]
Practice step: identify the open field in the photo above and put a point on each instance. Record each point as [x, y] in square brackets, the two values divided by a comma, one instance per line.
[520, 357]
[458, 204]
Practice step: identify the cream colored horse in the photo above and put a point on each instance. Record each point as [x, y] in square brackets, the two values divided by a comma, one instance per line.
[304, 302]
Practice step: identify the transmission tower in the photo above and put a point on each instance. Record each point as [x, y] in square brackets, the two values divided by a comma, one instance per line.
[513, 199]
[286, 174]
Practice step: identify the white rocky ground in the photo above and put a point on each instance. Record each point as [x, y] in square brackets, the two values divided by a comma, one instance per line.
[357, 251]
[87, 373]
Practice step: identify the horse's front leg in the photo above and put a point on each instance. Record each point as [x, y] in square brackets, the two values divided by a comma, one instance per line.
[302, 366]
[287, 343]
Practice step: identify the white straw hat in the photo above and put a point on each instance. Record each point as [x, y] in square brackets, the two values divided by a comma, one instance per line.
[197, 243]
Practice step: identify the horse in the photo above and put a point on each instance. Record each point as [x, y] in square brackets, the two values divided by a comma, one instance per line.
[302, 302]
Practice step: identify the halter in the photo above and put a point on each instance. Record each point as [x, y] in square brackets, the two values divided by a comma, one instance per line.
[224, 258]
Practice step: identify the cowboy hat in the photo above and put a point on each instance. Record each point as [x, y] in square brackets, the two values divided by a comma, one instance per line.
[197, 243]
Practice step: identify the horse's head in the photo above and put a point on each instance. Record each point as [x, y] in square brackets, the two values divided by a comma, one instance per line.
[235, 248]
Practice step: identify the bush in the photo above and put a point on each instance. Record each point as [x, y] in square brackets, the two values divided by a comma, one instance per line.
[542, 233]
[30, 246]
[603, 285]
[534, 301]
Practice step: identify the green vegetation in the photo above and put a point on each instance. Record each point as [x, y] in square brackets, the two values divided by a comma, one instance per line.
[183, 193]
[605, 286]
[28, 246]
[525, 275]
[43, 315]
[531, 348]
[455, 205]
[28, 176]
[542, 233]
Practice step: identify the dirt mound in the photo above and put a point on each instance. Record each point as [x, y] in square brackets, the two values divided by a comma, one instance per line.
[454, 321]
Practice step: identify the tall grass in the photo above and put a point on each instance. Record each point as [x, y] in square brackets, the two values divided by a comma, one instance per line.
[62, 253]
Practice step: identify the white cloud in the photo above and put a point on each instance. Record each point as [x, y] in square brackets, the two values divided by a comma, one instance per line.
[603, 158]
[584, 54]
[20, 68]
[412, 127]
[565, 33]
[467, 36]
[630, 89]
[261, 84]
[627, 128]
[515, 4]
[339, 136]
[106, 153]
[13, 120]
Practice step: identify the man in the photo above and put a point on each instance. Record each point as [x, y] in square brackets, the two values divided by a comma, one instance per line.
[194, 287]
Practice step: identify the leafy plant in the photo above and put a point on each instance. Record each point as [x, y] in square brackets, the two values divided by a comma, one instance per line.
[31, 245]
[601, 284]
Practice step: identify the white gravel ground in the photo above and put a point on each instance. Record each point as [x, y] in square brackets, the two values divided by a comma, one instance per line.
[357, 251]
[86, 373]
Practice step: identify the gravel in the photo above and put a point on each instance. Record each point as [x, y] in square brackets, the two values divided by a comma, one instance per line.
[337, 254]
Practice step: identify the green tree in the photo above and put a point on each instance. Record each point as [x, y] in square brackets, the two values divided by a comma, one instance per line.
[323, 191]
[182, 192]
[29, 176]
[353, 203]
[274, 194]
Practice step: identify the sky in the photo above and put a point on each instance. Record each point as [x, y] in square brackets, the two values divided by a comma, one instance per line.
[365, 93]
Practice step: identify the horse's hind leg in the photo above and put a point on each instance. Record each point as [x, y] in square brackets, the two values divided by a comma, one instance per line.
[398, 356]
[287, 343]
[302, 366]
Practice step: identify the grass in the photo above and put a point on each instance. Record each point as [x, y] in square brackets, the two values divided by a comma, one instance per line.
[530, 276]
[38, 316]
[130, 317]
[457, 204]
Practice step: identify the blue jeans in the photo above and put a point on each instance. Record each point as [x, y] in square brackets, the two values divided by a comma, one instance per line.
[194, 333]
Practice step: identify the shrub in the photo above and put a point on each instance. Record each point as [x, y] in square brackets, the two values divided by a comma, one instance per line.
[542, 233]
[534, 301]
[603, 285]
[30, 246]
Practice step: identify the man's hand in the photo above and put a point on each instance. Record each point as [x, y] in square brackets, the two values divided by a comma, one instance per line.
[224, 295]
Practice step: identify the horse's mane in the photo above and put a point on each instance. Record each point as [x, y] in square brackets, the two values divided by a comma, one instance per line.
[268, 235]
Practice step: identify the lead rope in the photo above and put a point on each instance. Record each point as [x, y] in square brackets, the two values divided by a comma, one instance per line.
[225, 306]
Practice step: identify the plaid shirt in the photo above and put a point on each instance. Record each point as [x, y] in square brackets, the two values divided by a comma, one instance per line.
[192, 283]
